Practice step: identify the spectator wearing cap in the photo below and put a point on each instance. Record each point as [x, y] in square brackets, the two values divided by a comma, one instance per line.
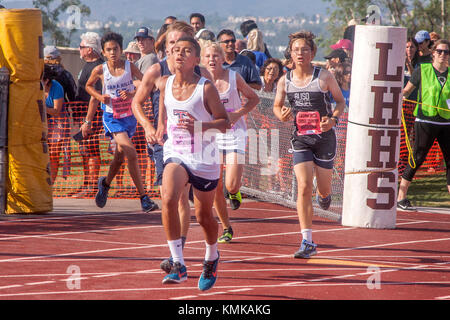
[334, 58]
[424, 40]
[132, 52]
[52, 58]
[146, 44]
[197, 21]
[345, 45]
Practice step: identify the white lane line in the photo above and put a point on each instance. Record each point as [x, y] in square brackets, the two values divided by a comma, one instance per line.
[39, 283]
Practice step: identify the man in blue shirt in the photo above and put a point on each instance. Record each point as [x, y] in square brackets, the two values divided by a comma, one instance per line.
[237, 62]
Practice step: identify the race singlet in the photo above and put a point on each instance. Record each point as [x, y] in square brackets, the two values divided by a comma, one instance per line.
[308, 122]
[121, 108]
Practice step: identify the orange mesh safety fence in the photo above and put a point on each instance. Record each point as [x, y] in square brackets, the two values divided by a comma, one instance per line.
[82, 163]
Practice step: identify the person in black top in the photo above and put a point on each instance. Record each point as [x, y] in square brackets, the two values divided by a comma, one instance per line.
[424, 40]
[90, 52]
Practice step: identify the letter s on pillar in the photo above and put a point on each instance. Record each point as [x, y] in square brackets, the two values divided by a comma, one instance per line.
[372, 186]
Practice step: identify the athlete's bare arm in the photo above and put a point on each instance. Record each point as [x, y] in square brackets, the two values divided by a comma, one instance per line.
[247, 92]
[282, 112]
[142, 95]
[162, 118]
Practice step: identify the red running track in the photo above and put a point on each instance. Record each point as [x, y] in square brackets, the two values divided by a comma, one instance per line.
[79, 252]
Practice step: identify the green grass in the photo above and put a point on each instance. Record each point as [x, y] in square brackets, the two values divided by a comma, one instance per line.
[429, 191]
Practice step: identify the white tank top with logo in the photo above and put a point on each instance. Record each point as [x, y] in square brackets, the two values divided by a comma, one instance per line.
[235, 137]
[198, 152]
[112, 86]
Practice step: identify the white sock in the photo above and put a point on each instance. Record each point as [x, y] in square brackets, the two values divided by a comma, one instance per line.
[307, 234]
[211, 252]
[176, 250]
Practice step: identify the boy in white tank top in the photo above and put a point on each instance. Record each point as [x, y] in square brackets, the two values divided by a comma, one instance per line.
[187, 101]
[232, 144]
[118, 119]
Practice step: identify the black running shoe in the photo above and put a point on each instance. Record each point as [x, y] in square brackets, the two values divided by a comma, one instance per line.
[405, 205]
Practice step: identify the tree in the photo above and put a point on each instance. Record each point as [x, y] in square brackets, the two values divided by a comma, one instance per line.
[51, 18]
[415, 15]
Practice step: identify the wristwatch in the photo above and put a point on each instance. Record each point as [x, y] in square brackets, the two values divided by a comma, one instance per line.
[88, 122]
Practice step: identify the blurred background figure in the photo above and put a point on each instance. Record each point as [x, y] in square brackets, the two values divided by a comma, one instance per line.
[132, 52]
[57, 120]
[345, 45]
[197, 21]
[343, 75]
[334, 58]
[424, 40]
[256, 44]
[52, 58]
[271, 71]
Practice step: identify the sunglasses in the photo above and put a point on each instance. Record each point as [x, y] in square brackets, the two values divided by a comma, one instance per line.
[83, 47]
[440, 51]
[228, 41]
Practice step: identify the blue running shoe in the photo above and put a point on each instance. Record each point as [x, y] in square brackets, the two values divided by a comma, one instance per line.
[166, 265]
[324, 203]
[148, 204]
[102, 194]
[209, 275]
[307, 249]
[178, 274]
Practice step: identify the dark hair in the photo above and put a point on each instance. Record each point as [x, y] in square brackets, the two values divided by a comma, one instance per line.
[170, 17]
[227, 32]
[305, 35]
[112, 36]
[247, 53]
[247, 26]
[49, 73]
[339, 72]
[416, 55]
[197, 15]
[269, 61]
[440, 41]
[194, 44]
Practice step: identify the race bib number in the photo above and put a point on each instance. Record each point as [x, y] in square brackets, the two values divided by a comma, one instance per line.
[121, 108]
[182, 140]
[308, 122]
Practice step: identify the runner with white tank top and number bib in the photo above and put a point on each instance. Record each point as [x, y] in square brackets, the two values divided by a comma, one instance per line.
[188, 103]
[232, 144]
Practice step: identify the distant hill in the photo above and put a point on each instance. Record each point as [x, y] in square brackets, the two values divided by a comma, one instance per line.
[158, 9]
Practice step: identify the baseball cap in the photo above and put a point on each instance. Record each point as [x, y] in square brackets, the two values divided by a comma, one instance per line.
[143, 32]
[342, 44]
[51, 52]
[132, 48]
[421, 36]
[338, 53]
